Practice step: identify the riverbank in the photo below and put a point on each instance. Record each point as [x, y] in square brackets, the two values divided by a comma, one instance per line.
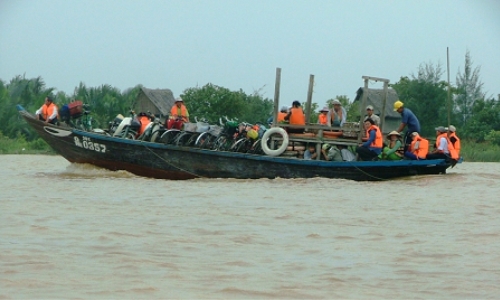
[480, 152]
[21, 146]
[471, 151]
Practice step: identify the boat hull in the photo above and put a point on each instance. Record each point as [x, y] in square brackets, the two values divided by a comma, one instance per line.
[173, 162]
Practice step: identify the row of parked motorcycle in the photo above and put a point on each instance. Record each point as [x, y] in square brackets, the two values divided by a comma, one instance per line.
[228, 135]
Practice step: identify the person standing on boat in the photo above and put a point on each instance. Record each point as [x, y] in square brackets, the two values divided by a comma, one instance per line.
[338, 115]
[178, 114]
[48, 111]
[409, 120]
[454, 138]
[371, 115]
[323, 116]
[418, 149]
[444, 148]
[296, 117]
[370, 149]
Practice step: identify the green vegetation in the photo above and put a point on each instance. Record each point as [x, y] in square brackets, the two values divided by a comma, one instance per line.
[475, 115]
[480, 152]
[212, 102]
[21, 146]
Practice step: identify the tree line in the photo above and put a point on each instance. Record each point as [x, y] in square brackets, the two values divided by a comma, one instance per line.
[475, 115]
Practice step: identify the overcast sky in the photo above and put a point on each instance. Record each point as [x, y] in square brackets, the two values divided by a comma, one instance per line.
[238, 44]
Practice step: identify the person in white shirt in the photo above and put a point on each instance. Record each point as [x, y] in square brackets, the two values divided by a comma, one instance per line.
[370, 114]
[48, 111]
[338, 115]
[441, 149]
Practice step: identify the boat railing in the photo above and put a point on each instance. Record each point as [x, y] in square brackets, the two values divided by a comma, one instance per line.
[316, 133]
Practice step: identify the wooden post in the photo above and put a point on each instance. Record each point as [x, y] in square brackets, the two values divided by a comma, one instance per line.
[276, 96]
[448, 102]
[309, 98]
[382, 115]
[362, 108]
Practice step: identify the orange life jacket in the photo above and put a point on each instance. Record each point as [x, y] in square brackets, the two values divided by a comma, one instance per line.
[322, 119]
[48, 110]
[180, 112]
[144, 122]
[451, 149]
[281, 117]
[456, 145]
[379, 141]
[423, 147]
[297, 117]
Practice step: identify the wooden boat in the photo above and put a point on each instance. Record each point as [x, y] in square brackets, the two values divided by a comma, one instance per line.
[168, 161]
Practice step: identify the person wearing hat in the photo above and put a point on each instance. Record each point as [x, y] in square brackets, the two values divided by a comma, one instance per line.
[444, 148]
[392, 151]
[455, 141]
[323, 116]
[179, 111]
[409, 120]
[337, 115]
[418, 149]
[48, 111]
[296, 117]
[371, 115]
[178, 115]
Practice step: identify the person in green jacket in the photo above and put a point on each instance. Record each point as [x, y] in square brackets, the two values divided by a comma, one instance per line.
[392, 151]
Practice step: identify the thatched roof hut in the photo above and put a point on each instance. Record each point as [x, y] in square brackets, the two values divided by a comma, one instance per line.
[375, 98]
[156, 101]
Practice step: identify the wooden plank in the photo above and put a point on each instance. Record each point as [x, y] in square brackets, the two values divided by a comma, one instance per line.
[375, 78]
[384, 103]
[276, 95]
[362, 108]
[309, 98]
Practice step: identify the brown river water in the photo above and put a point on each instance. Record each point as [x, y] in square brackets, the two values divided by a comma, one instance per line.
[79, 232]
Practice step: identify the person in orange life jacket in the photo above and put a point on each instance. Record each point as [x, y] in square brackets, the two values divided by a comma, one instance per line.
[296, 117]
[323, 116]
[455, 141]
[418, 148]
[145, 120]
[370, 149]
[444, 148]
[179, 111]
[48, 111]
[178, 114]
[282, 114]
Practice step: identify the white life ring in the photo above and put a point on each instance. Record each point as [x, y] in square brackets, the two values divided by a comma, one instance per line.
[267, 135]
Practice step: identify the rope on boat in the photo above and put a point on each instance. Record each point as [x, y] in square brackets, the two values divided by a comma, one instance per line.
[172, 165]
[368, 174]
